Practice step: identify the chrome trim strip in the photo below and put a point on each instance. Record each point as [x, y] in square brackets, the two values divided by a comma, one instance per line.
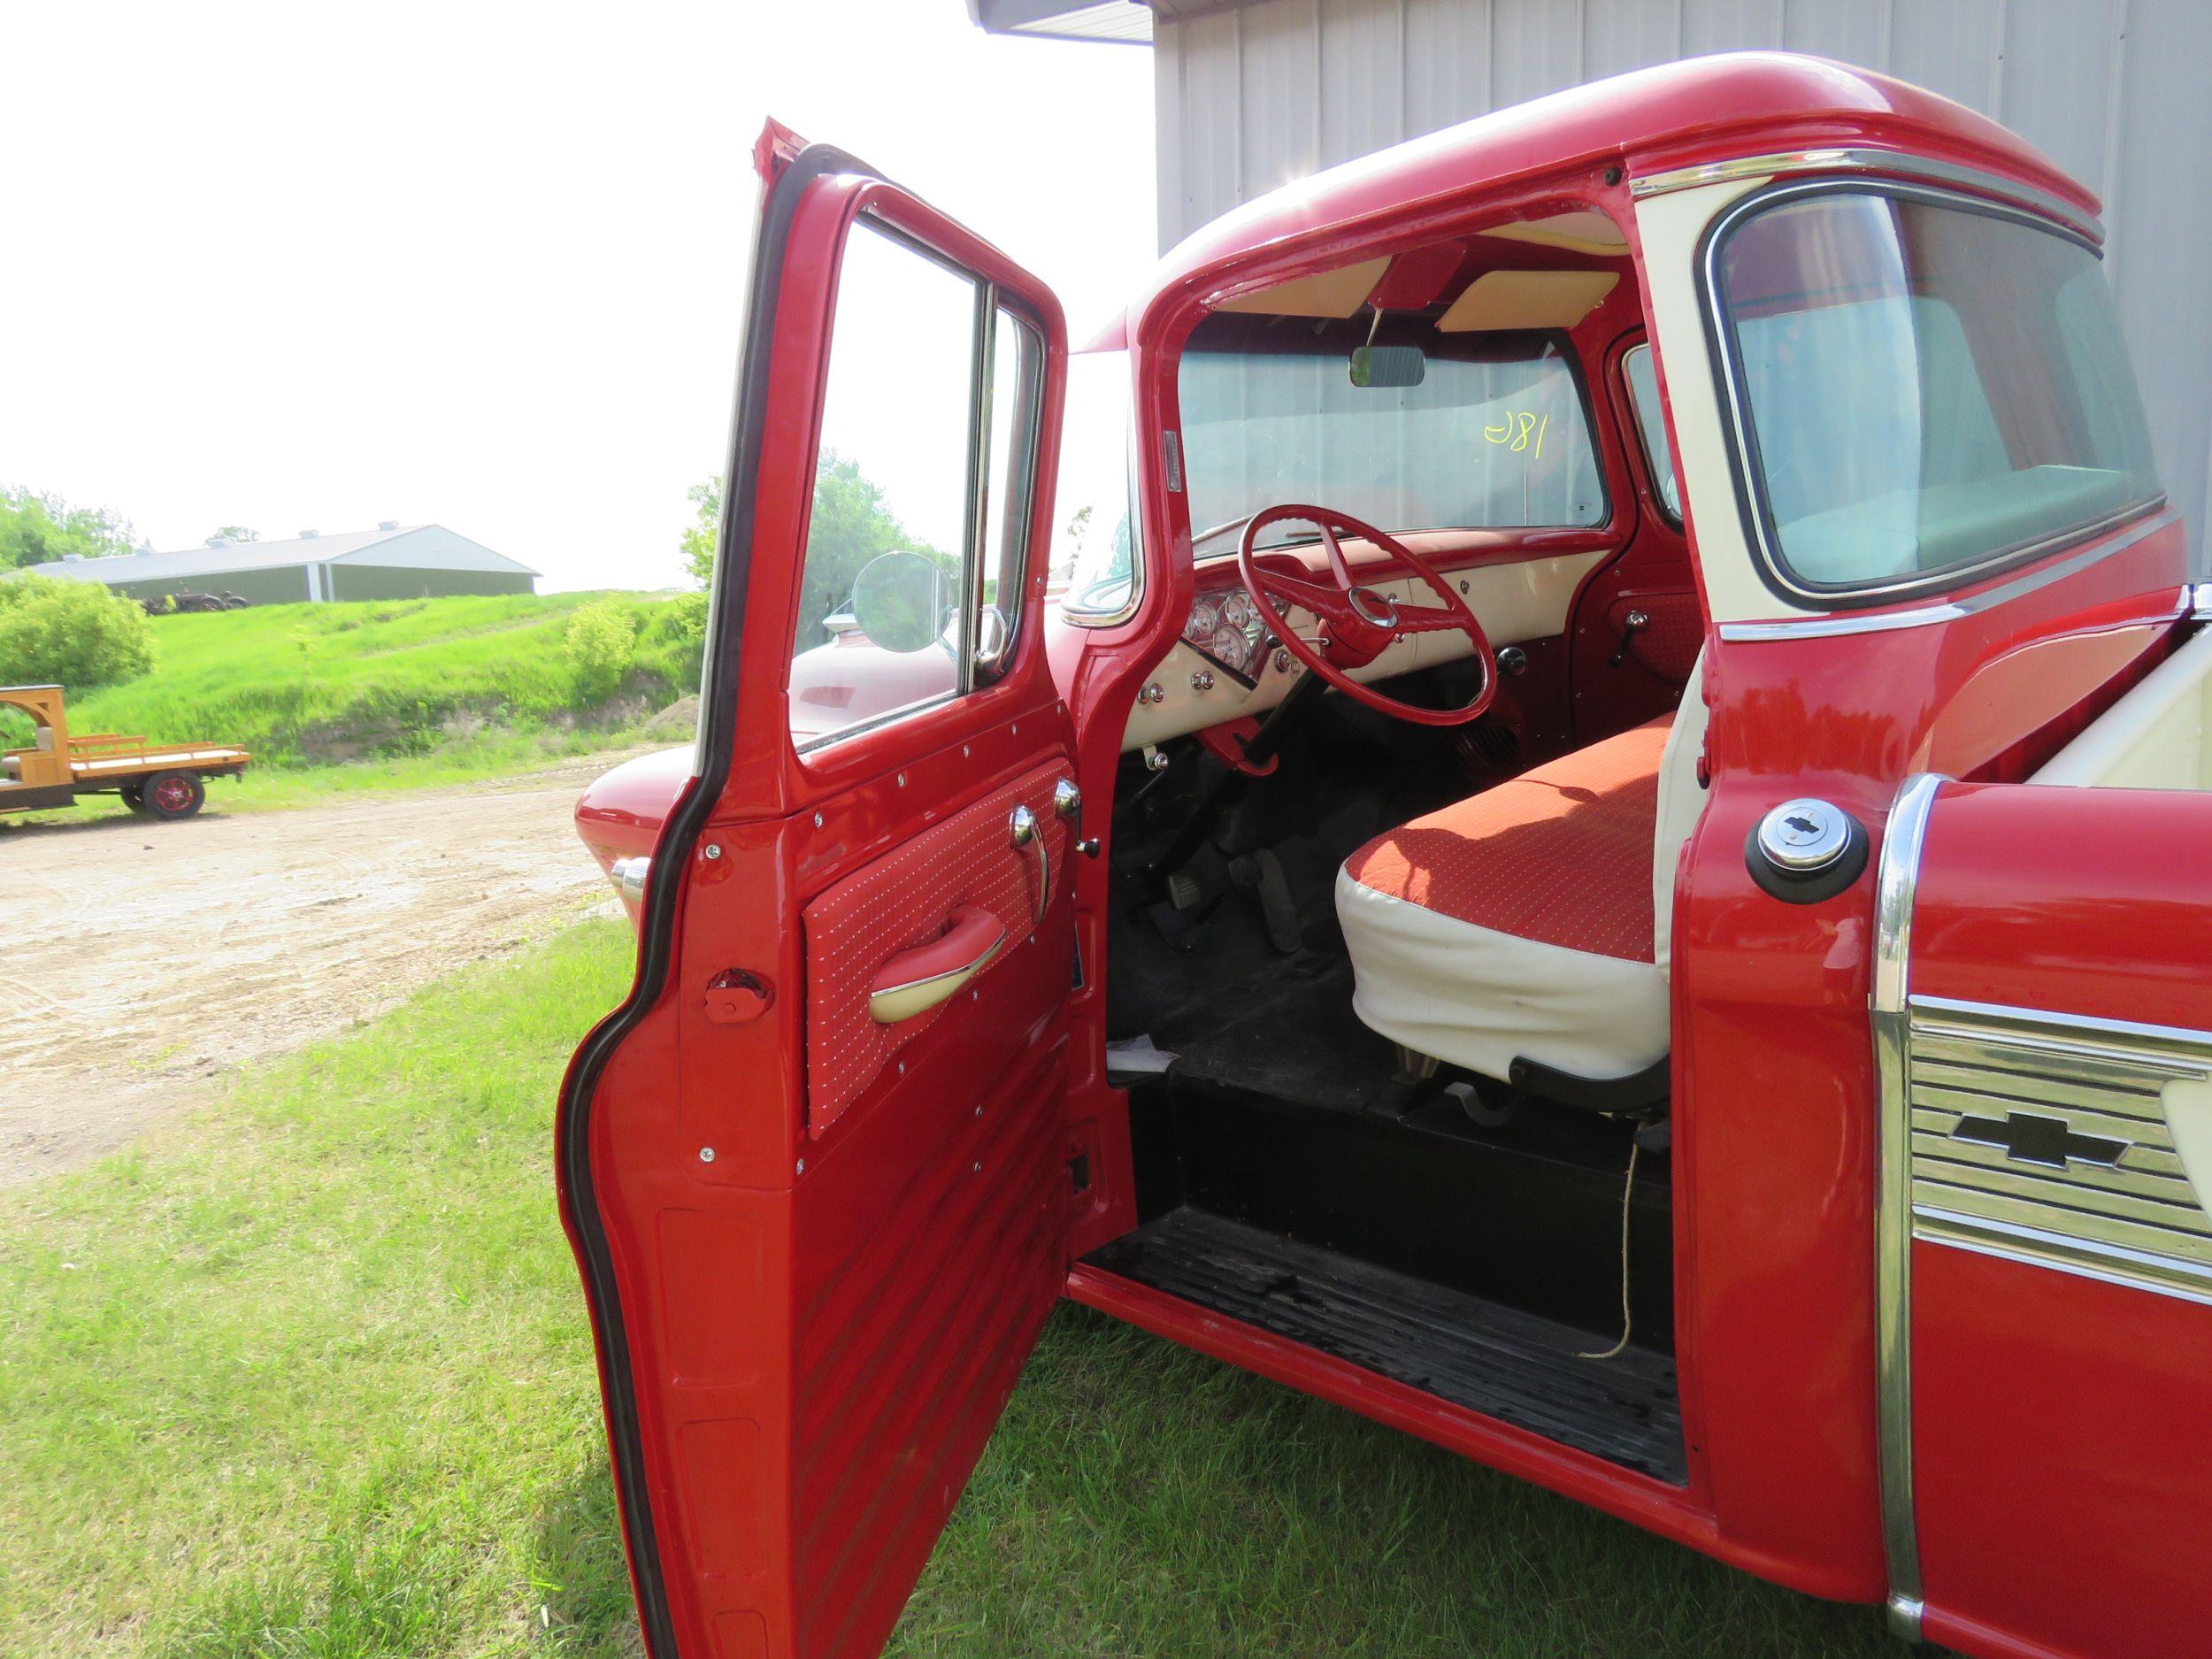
[2168, 1044]
[1820, 626]
[1865, 160]
[2110, 1264]
[1895, 886]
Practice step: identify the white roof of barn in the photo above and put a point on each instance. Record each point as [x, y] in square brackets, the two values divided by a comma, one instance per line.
[421, 547]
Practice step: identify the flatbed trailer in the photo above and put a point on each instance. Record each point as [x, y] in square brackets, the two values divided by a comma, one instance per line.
[162, 780]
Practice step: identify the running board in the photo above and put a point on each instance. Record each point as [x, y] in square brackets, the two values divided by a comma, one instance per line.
[1523, 1370]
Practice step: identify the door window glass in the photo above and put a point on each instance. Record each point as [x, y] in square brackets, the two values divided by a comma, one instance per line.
[1930, 388]
[1651, 426]
[1017, 375]
[885, 593]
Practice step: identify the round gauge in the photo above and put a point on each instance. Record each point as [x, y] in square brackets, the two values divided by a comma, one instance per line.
[1237, 610]
[1228, 645]
[1205, 616]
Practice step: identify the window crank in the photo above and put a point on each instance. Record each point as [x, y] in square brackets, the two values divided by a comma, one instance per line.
[1067, 800]
[1631, 625]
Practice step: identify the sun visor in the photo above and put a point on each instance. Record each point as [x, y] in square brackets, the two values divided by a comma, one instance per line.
[1527, 299]
[1584, 232]
[1330, 293]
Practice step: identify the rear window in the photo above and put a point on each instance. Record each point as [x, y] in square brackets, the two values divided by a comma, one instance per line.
[1924, 388]
[1495, 436]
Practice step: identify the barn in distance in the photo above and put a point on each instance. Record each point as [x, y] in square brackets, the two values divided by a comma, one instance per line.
[390, 562]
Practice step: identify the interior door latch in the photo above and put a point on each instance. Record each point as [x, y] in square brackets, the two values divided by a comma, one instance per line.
[737, 995]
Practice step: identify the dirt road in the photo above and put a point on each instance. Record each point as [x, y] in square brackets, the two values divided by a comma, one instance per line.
[143, 959]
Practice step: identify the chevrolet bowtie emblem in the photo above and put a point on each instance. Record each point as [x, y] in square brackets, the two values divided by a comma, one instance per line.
[2050, 1142]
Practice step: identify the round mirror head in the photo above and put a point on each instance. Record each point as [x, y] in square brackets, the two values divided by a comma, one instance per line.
[899, 600]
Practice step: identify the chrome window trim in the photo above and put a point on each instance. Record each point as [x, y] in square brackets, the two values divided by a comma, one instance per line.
[1773, 570]
[876, 722]
[1897, 878]
[1813, 628]
[1854, 161]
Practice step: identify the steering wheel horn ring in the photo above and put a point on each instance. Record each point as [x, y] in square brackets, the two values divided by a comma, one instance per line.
[1358, 621]
[1385, 615]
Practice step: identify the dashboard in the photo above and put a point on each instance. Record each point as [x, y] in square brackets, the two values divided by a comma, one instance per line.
[1226, 628]
[1225, 666]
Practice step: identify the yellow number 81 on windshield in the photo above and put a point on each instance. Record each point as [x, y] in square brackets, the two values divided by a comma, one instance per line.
[1522, 430]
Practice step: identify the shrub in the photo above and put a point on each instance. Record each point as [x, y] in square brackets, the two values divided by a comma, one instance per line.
[598, 644]
[74, 634]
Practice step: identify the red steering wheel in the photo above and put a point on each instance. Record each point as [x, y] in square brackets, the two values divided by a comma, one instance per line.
[1357, 621]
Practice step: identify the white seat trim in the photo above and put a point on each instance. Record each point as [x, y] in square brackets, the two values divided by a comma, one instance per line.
[1479, 998]
[1681, 803]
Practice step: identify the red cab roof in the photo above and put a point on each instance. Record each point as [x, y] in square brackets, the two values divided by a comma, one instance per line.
[1699, 111]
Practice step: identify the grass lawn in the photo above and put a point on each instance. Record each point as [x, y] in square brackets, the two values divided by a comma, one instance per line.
[307, 685]
[305, 1375]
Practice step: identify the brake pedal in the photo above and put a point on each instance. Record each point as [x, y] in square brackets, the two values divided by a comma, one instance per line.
[1263, 873]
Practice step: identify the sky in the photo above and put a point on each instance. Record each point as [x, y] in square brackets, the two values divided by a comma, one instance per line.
[317, 266]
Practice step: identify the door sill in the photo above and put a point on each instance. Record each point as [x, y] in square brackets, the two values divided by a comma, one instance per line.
[1493, 1367]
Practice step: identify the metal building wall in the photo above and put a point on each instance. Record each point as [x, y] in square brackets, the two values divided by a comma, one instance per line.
[2113, 90]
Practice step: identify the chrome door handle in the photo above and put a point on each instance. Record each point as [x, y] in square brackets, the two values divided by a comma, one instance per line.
[1021, 830]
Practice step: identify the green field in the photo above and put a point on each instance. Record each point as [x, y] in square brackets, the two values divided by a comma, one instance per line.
[335, 698]
[305, 1375]
[308, 685]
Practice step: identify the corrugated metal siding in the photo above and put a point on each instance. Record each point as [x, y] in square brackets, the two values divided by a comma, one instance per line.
[2111, 90]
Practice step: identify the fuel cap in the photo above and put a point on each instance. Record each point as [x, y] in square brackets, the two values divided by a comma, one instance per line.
[1806, 850]
[1804, 836]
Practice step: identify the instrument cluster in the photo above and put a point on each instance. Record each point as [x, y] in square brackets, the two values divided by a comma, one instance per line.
[1227, 628]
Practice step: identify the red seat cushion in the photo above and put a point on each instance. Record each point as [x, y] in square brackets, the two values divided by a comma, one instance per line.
[1560, 855]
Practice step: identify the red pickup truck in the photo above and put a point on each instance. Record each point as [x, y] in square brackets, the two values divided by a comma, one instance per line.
[1605, 862]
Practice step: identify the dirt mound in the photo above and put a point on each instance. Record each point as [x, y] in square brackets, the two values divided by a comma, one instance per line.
[680, 718]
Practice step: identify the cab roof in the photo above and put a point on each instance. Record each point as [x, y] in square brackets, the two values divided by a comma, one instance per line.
[1688, 114]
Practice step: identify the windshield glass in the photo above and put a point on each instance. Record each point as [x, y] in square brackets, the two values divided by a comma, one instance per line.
[1095, 568]
[1495, 436]
[1930, 388]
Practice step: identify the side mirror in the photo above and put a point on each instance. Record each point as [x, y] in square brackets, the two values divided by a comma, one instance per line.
[900, 601]
[1388, 366]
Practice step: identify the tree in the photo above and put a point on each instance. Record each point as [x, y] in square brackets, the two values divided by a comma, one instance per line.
[73, 634]
[601, 639]
[850, 525]
[699, 537]
[37, 529]
[233, 533]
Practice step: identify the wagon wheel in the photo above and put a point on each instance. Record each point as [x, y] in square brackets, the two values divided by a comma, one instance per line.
[173, 795]
[133, 796]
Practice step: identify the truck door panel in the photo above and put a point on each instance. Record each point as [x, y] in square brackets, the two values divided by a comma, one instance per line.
[814, 1168]
[2050, 1006]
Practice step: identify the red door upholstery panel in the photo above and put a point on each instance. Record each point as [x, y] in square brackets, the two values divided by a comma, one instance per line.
[907, 899]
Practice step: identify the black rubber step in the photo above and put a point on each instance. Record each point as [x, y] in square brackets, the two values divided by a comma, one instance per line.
[1514, 1366]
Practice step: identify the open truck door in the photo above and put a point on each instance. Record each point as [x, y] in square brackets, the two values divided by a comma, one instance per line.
[2043, 1016]
[814, 1168]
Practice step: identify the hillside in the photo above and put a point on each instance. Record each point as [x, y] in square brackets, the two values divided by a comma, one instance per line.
[306, 686]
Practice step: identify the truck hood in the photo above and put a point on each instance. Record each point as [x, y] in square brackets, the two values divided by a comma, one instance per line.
[621, 815]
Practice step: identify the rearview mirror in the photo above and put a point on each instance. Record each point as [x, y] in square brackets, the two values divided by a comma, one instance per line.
[1388, 366]
[899, 599]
